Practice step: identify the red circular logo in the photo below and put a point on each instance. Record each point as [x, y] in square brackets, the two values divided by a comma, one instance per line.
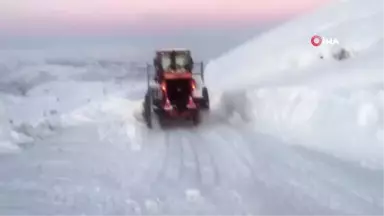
[316, 40]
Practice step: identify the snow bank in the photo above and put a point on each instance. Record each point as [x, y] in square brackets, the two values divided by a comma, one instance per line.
[345, 124]
[119, 120]
[286, 50]
[58, 104]
[111, 108]
[41, 98]
[47, 89]
[280, 83]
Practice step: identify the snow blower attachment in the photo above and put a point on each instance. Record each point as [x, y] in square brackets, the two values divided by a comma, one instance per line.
[176, 91]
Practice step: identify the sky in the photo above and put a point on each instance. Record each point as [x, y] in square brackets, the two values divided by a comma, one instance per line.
[82, 17]
[208, 27]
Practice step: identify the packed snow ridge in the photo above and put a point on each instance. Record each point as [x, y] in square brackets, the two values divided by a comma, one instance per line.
[328, 97]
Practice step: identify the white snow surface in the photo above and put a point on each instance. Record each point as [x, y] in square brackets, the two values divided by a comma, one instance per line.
[6, 143]
[326, 104]
[288, 132]
[39, 94]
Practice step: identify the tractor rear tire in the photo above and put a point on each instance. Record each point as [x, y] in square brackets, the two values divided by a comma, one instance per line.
[205, 104]
[148, 110]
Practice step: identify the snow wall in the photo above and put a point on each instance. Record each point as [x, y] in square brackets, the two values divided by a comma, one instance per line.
[328, 98]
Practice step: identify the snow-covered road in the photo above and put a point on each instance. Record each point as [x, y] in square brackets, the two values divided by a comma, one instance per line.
[226, 169]
[71, 139]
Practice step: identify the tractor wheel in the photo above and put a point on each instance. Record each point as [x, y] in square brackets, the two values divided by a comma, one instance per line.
[205, 104]
[148, 110]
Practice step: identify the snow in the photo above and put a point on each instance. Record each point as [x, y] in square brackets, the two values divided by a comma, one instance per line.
[289, 132]
[6, 144]
[324, 104]
[286, 51]
[42, 93]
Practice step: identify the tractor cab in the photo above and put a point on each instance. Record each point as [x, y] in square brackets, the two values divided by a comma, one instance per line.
[173, 61]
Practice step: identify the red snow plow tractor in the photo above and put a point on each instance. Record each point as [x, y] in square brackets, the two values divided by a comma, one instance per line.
[176, 88]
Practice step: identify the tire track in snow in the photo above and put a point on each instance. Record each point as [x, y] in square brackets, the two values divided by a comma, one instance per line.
[275, 198]
[164, 159]
[208, 168]
[310, 181]
[191, 168]
[234, 169]
[197, 158]
[226, 199]
[238, 190]
[170, 171]
[327, 180]
[156, 153]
